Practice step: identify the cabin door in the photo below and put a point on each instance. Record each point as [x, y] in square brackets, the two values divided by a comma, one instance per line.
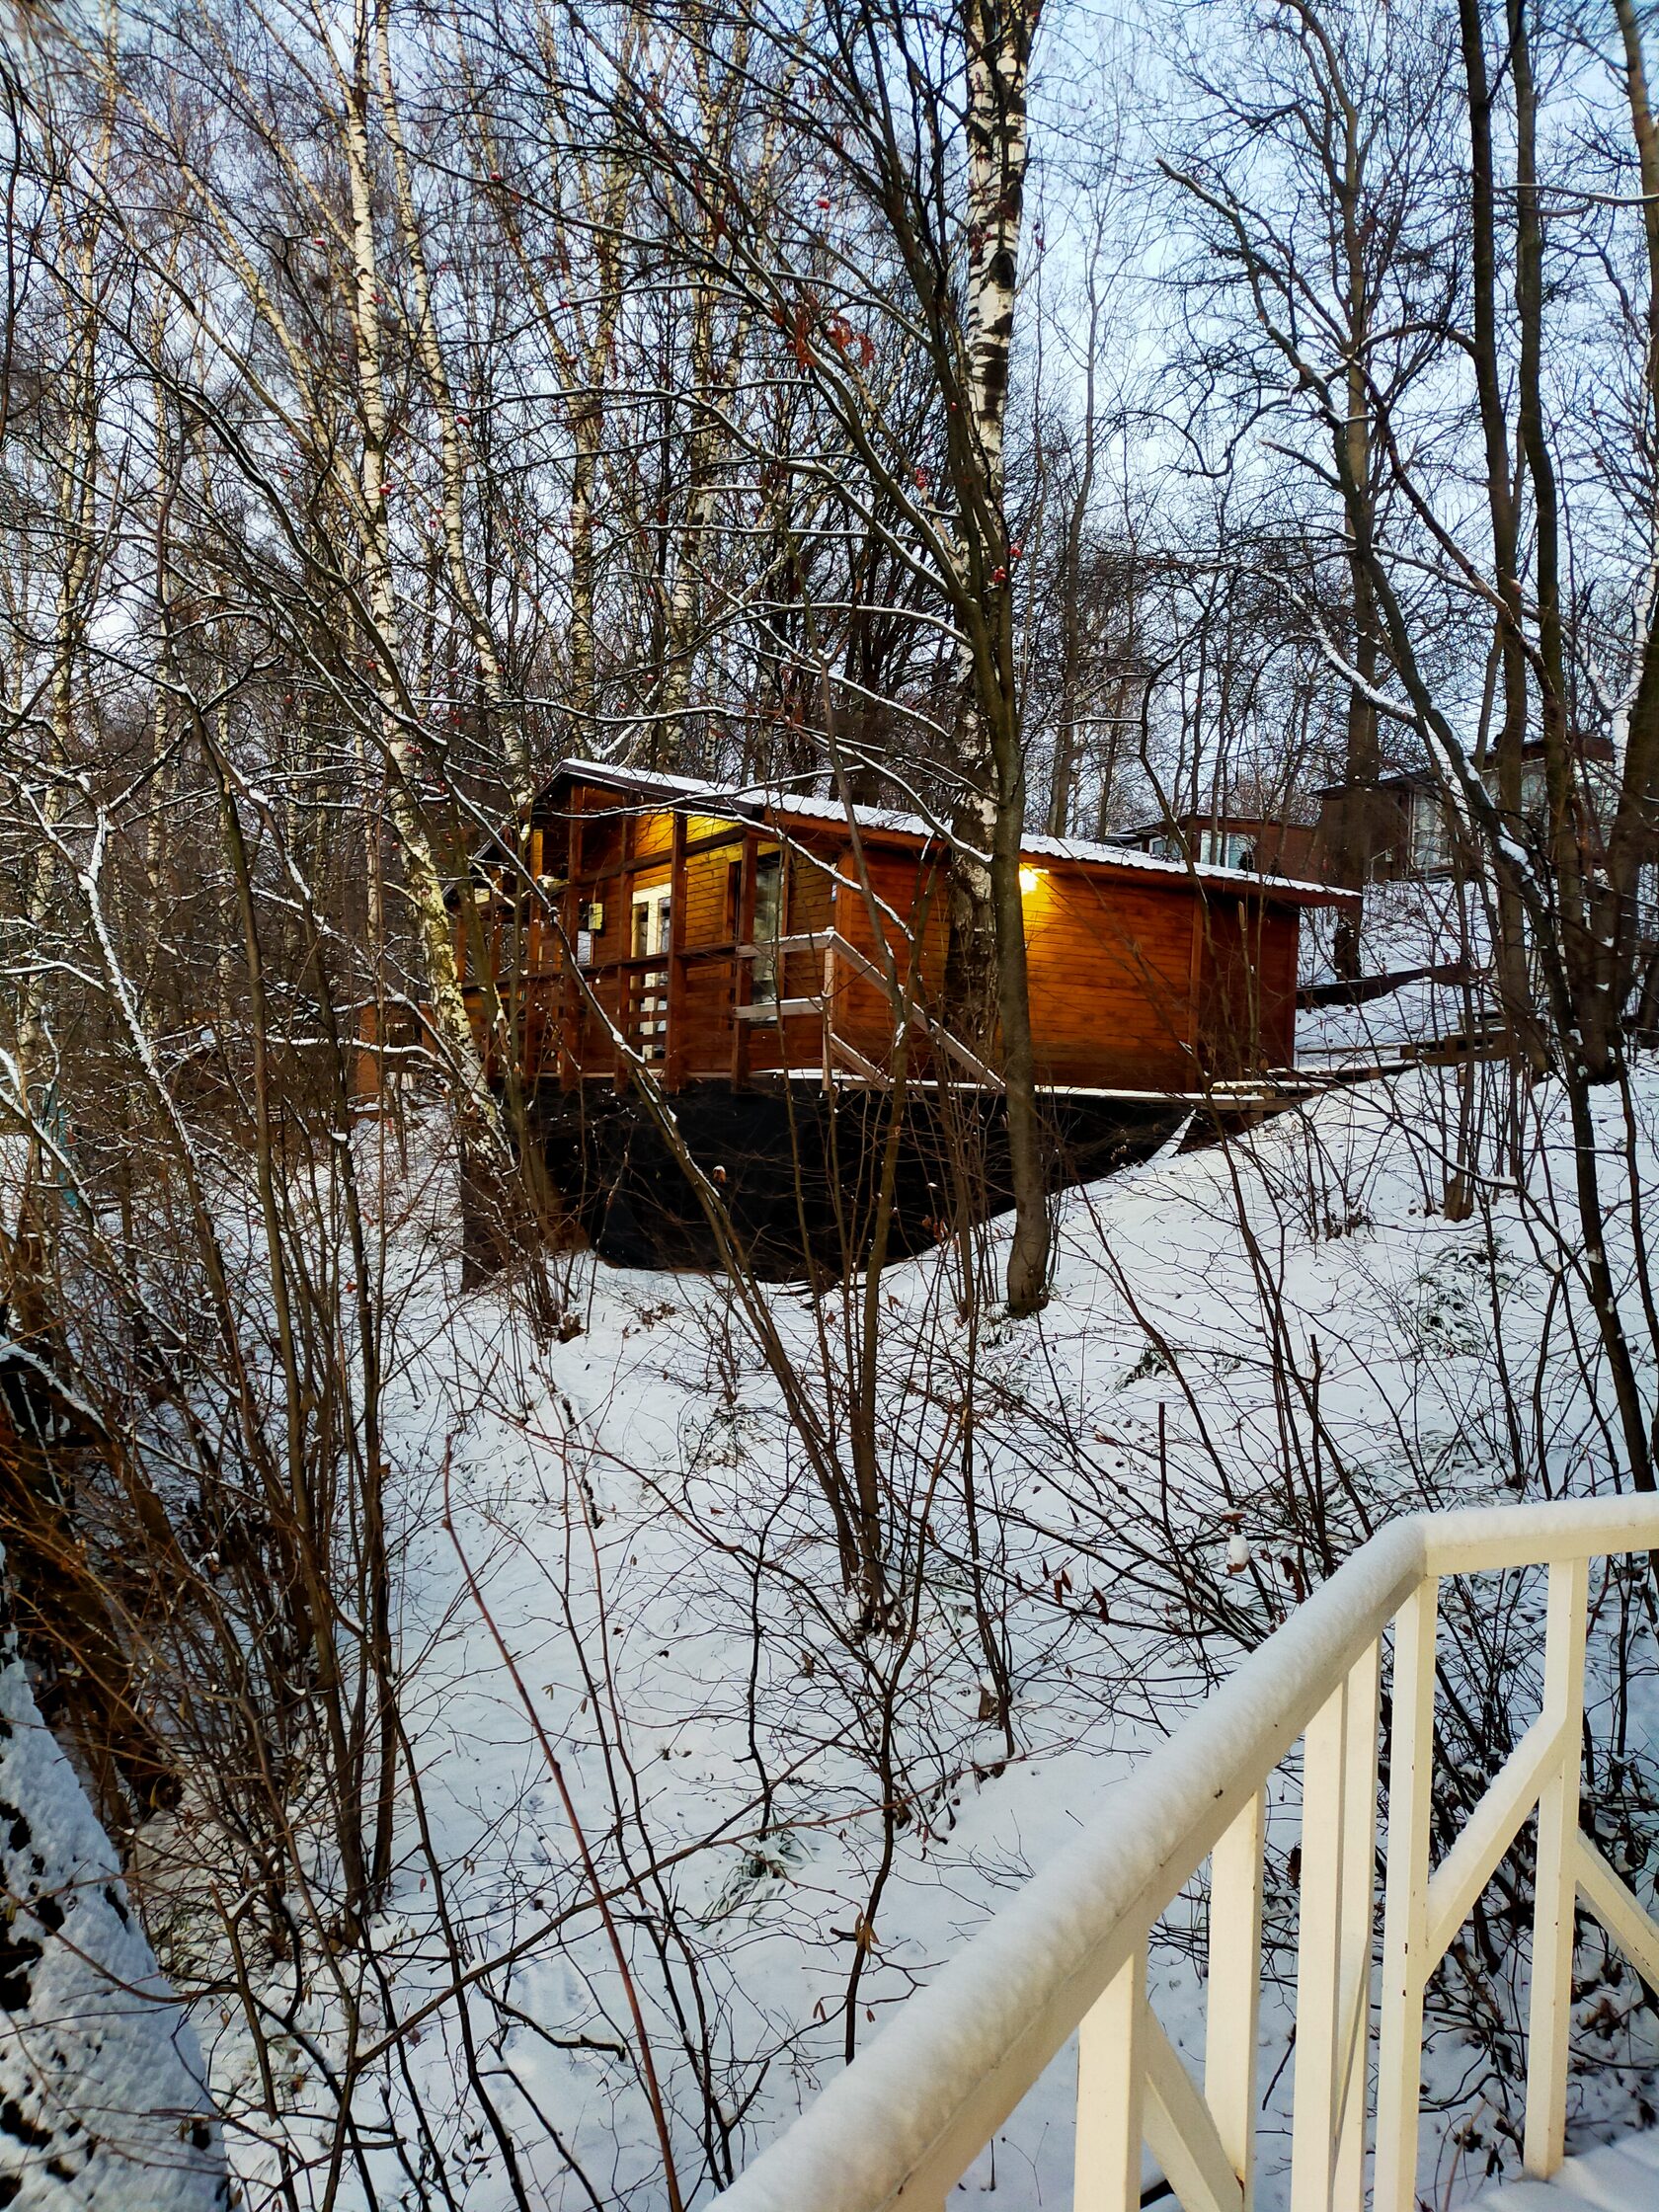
[648, 995]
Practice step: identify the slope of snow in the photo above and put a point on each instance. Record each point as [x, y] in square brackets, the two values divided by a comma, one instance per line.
[102, 2106]
[1622, 2177]
[1250, 1358]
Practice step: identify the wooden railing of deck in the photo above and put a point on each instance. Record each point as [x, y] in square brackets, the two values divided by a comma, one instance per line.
[1068, 1954]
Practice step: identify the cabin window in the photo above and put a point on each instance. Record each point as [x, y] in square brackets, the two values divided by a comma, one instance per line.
[648, 992]
[1431, 836]
[651, 921]
[768, 925]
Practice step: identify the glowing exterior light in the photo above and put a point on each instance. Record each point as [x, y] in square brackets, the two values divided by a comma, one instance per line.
[1030, 878]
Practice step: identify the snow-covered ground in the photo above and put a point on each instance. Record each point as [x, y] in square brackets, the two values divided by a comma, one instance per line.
[1620, 2177]
[103, 2101]
[1251, 1356]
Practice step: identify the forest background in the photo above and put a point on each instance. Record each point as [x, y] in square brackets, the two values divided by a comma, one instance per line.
[1030, 417]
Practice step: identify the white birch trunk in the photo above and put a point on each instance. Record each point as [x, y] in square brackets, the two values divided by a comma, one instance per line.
[452, 453]
[997, 36]
[424, 882]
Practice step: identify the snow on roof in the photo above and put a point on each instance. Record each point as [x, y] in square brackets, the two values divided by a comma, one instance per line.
[891, 818]
[638, 779]
[1127, 856]
[771, 801]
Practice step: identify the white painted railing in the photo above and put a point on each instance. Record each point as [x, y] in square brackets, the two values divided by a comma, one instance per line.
[1068, 1954]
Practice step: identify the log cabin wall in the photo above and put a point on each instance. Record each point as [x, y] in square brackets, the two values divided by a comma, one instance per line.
[1146, 985]
[903, 919]
[1246, 988]
[1140, 981]
[1111, 967]
[620, 856]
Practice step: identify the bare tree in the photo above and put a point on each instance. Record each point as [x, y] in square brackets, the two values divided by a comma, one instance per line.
[910, 134]
[1572, 867]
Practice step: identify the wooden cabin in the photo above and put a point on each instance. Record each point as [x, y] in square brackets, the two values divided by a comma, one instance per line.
[1256, 843]
[734, 937]
[1406, 823]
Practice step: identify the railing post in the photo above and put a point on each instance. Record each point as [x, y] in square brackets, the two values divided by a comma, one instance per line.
[1333, 1946]
[1549, 2012]
[1405, 1924]
[1313, 2125]
[1230, 2035]
[1358, 1921]
[1111, 2088]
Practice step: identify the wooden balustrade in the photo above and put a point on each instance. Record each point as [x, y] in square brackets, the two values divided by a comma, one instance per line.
[1067, 1955]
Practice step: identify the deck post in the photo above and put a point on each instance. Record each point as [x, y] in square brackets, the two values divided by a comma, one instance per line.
[1333, 1946]
[1235, 2001]
[1549, 2014]
[1315, 2123]
[1358, 1928]
[1405, 1922]
[674, 1041]
[1111, 2091]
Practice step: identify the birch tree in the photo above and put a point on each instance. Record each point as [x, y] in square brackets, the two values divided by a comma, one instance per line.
[294, 408]
[903, 204]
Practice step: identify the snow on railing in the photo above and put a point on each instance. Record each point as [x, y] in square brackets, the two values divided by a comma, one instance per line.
[1069, 1953]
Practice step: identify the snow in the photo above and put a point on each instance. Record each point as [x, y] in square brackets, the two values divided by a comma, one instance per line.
[775, 802]
[634, 1509]
[102, 2105]
[1408, 926]
[1622, 2177]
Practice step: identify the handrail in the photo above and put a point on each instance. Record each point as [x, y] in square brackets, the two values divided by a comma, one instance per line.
[1067, 1954]
[843, 950]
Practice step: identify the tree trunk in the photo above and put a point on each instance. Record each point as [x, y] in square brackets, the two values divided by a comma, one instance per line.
[1514, 988]
[1632, 842]
[1594, 1023]
[422, 881]
[1362, 762]
[1066, 747]
[986, 965]
[509, 730]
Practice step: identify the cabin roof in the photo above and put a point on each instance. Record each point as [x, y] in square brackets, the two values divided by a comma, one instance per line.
[1204, 817]
[778, 807]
